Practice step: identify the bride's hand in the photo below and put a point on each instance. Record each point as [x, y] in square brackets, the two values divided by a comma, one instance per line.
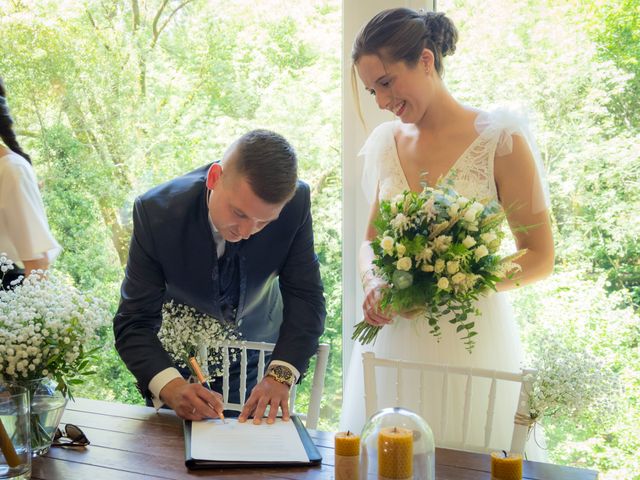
[371, 305]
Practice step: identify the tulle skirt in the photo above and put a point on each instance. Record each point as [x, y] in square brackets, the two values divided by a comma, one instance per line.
[497, 347]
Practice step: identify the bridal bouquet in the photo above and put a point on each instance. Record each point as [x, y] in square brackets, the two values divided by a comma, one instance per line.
[46, 326]
[437, 252]
[185, 333]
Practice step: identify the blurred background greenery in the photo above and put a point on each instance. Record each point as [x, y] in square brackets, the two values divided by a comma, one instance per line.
[113, 97]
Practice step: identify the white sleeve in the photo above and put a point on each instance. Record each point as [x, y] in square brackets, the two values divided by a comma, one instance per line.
[372, 151]
[158, 382]
[25, 217]
[514, 120]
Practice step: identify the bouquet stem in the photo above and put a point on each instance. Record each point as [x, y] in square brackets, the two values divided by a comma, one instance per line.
[365, 333]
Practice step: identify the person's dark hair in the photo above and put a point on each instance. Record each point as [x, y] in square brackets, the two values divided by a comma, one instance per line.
[269, 164]
[400, 34]
[6, 125]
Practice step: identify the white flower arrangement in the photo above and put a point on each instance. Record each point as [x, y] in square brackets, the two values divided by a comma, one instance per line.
[437, 251]
[185, 333]
[570, 383]
[46, 329]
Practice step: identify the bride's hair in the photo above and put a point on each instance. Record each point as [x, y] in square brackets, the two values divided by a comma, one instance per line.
[6, 126]
[400, 34]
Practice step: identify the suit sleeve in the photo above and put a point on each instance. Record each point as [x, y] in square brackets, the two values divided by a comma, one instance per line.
[139, 314]
[302, 295]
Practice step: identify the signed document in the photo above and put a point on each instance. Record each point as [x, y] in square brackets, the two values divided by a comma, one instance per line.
[232, 441]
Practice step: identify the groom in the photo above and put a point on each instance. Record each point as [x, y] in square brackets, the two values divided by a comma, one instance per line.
[234, 240]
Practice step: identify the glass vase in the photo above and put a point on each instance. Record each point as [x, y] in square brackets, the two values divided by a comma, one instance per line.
[47, 407]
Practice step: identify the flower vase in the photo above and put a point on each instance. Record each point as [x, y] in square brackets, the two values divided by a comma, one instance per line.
[47, 407]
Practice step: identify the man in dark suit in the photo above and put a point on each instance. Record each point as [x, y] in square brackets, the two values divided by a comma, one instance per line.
[234, 240]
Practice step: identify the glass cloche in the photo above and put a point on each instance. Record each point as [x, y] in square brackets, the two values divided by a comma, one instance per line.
[397, 444]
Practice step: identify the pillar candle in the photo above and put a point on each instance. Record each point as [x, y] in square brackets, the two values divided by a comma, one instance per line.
[347, 456]
[395, 453]
[506, 466]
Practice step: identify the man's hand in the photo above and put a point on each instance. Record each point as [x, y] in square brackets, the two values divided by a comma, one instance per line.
[191, 401]
[267, 392]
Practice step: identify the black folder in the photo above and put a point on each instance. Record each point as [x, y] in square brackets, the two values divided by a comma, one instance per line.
[198, 464]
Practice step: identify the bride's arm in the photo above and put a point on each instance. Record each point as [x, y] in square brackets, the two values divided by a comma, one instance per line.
[519, 186]
[371, 284]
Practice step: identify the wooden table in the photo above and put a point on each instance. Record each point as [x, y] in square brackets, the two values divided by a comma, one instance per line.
[131, 442]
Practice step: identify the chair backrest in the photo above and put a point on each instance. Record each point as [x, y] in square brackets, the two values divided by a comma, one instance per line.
[240, 349]
[523, 378]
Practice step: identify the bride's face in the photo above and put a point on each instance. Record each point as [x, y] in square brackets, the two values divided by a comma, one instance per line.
[401, 89]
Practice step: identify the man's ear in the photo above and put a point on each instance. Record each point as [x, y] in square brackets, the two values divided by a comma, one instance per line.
[213, 175]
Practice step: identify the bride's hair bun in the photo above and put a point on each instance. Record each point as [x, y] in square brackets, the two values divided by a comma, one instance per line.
[401, 35]
[441, 31]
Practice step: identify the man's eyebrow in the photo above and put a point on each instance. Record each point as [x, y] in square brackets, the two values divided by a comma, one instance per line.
[241, 212]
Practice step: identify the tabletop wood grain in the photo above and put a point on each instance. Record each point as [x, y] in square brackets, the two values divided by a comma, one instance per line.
[130, 442]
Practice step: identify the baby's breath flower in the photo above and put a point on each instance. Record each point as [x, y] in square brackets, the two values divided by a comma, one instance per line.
[46, 327]
[185, 332]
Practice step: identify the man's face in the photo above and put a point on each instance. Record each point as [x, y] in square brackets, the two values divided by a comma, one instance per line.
[237, 212]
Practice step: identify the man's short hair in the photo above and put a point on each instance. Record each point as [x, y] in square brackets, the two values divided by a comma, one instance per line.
[269, 164]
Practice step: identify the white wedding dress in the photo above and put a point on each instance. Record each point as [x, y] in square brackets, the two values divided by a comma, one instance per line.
[497, 343]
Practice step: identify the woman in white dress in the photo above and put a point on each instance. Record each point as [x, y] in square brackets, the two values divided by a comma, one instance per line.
[25, 237]
[488, 155]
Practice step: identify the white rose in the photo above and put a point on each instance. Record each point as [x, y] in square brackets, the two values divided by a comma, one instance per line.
[469, 241]
[439, 266]
[443, 283]
[480, 252]
[453, 209]
[387, 244]
[401, 249]
[462, 201]
[458, 278]
[453, 266]
[425, 267]
[488, 237]
[470, 215]
[404, 264]
[477, 207]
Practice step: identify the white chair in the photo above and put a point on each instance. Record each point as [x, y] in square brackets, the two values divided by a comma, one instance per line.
[524, 379]
[241, 348]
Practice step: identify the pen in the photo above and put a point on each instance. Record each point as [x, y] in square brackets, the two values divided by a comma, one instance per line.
[196, 369]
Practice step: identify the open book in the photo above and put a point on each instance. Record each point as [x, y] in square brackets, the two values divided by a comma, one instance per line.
[214, 444]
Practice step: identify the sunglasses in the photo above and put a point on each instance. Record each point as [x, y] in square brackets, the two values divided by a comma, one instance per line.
[71, 437]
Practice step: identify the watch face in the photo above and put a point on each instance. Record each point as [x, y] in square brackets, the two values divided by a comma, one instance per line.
[282, 374]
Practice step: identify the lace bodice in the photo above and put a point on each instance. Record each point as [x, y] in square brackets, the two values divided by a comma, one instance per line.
[472, 173]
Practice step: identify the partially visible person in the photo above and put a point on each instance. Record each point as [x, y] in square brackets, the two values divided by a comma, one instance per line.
[25, 237]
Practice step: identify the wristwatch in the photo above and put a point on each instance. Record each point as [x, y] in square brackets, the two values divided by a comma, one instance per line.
[281, 374]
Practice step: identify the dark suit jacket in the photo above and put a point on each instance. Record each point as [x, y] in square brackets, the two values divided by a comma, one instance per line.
[173, 256]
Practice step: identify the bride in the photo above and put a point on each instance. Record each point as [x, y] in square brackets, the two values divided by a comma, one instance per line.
[487, 155]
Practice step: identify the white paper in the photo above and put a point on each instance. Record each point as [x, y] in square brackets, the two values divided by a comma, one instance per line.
[245, 442]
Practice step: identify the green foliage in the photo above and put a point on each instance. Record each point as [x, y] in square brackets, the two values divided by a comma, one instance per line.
[110, 103]
[574, 64]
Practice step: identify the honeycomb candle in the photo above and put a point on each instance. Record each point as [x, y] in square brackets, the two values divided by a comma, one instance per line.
[506, 466]
[347, 456]
[395, 453]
